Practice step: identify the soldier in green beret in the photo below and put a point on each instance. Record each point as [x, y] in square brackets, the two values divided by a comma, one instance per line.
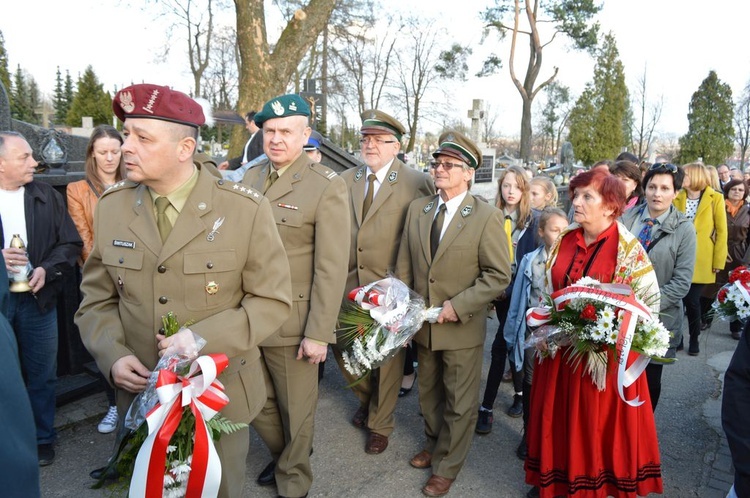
[309, 204]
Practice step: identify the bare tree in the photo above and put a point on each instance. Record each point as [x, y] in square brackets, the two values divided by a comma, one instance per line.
[567, 17]
[646, 116]
[742, 124]
[196, 18]
[491, 115]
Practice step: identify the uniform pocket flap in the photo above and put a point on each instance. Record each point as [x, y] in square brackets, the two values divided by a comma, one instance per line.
[287, 216]
[131, 259]
[301, 292]
[210, 262]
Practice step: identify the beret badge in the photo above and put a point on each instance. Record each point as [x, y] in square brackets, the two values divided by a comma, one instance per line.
[278, 108]
[126, 102]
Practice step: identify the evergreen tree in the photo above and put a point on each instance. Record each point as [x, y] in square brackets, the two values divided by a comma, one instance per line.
[710, 131]
[68, 93]
[597, 123]
[61, 103]
[90, 100]
[21, 105]
[4, 72]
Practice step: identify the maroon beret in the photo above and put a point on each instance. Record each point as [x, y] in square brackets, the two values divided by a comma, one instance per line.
[157, 102]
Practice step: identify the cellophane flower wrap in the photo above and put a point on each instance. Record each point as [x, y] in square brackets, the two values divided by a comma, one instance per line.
[587, 319]
[379, 319]
[165, 447]
[733, 299]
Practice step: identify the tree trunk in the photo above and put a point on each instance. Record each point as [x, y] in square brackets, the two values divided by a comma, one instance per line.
[265, 74]
[526, 131]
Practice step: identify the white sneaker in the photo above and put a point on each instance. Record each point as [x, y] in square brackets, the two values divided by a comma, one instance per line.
[109, 422]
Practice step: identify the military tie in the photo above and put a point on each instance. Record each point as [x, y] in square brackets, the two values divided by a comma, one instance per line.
[162, 222]
[509, 234]
[644, 237]
[270, 179]
[370, 194]
[436, 230]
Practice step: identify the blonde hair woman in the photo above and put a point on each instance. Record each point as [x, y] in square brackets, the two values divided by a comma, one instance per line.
[705, 207]
[542, 193]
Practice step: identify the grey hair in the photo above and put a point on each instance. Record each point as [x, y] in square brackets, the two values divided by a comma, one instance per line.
[8, 134]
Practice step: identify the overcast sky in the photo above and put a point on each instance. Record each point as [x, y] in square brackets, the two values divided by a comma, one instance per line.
[677, 41]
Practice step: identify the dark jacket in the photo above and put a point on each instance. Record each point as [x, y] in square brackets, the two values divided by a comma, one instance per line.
[54, 243]
[735, 406]
[738, 234]
[254, 148]
[18, 453]
[527, 242]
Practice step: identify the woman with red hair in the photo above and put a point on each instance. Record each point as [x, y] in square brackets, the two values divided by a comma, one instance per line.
[582, 441]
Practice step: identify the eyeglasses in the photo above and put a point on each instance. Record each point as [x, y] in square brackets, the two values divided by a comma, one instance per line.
[663, 167]
[375, 141]
[446, 166]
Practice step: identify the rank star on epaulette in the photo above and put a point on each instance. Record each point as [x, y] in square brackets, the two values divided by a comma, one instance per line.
[428, 207]
[466, 211]
[360, 171]
[236, 187]
[393, 177]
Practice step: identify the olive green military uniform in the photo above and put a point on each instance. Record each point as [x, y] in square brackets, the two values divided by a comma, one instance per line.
[471, 267]
[222, 267]
[374, 246]
[309, 204]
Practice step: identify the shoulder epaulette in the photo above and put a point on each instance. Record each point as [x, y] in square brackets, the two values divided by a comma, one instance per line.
[324, 171]
[121, 185]
[240, 189]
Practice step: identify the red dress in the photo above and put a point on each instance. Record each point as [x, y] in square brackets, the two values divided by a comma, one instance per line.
[584, 442]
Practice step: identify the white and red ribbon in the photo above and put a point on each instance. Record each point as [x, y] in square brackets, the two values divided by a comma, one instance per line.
[617, 295]
[205, 396]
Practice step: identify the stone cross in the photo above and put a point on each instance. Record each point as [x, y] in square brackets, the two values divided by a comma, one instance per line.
[476, 114]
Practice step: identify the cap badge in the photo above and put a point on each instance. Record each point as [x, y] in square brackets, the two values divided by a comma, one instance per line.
[450, 137]
[392, 177]
[126, 102]
[428, 207]
[212, 288]
[149, 107]
[277, 107]
[293, 106]
[466, 211]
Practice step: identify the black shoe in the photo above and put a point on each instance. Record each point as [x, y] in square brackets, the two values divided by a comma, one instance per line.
[406, 390]
[484, 422]
[104, 473]
[533, 493]
[523, 450]
[516, 409]
[46, 454]
[693, 348]
[267, 476]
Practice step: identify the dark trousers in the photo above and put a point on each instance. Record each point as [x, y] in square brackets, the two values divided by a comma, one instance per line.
[692, 302]
[499, 355]
[653, 379]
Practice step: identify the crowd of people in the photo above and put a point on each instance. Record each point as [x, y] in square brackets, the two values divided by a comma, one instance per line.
[261, 258]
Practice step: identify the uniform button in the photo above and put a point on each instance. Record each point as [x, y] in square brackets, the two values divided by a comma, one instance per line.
[161, 330]
[360, 249]
[301, 296]
[161, 269]
[432, 280]
[471, 315]
[209, 265]
[361, 267]
[163, 299]
[243, 361]
[122, 260]
[283, 220]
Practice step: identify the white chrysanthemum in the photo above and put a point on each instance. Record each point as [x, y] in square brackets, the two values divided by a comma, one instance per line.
[171, 448]
[598, 333]
[168, 480]
[607, 315]
[588, 282]
[182, 468]
[611, 337]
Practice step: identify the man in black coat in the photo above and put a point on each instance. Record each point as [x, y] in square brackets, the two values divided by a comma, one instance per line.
[37, 213]
[735, 406]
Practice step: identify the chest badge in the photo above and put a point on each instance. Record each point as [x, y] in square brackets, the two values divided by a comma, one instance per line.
[359, 174]
[393, 177]
[428, 207]
[215, 230]
[212, 288]
[466, 211]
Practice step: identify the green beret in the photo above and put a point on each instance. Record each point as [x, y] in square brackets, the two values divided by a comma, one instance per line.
[376, 122]
[282, 107]
[458, 146]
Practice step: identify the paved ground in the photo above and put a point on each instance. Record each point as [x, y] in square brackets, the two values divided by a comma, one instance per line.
[695, 457]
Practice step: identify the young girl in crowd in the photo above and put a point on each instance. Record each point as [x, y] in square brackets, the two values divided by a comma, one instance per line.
[527, 293]
[520, 227]
[542, 193]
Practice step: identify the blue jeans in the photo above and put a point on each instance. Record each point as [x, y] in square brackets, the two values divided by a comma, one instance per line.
[36, 333]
